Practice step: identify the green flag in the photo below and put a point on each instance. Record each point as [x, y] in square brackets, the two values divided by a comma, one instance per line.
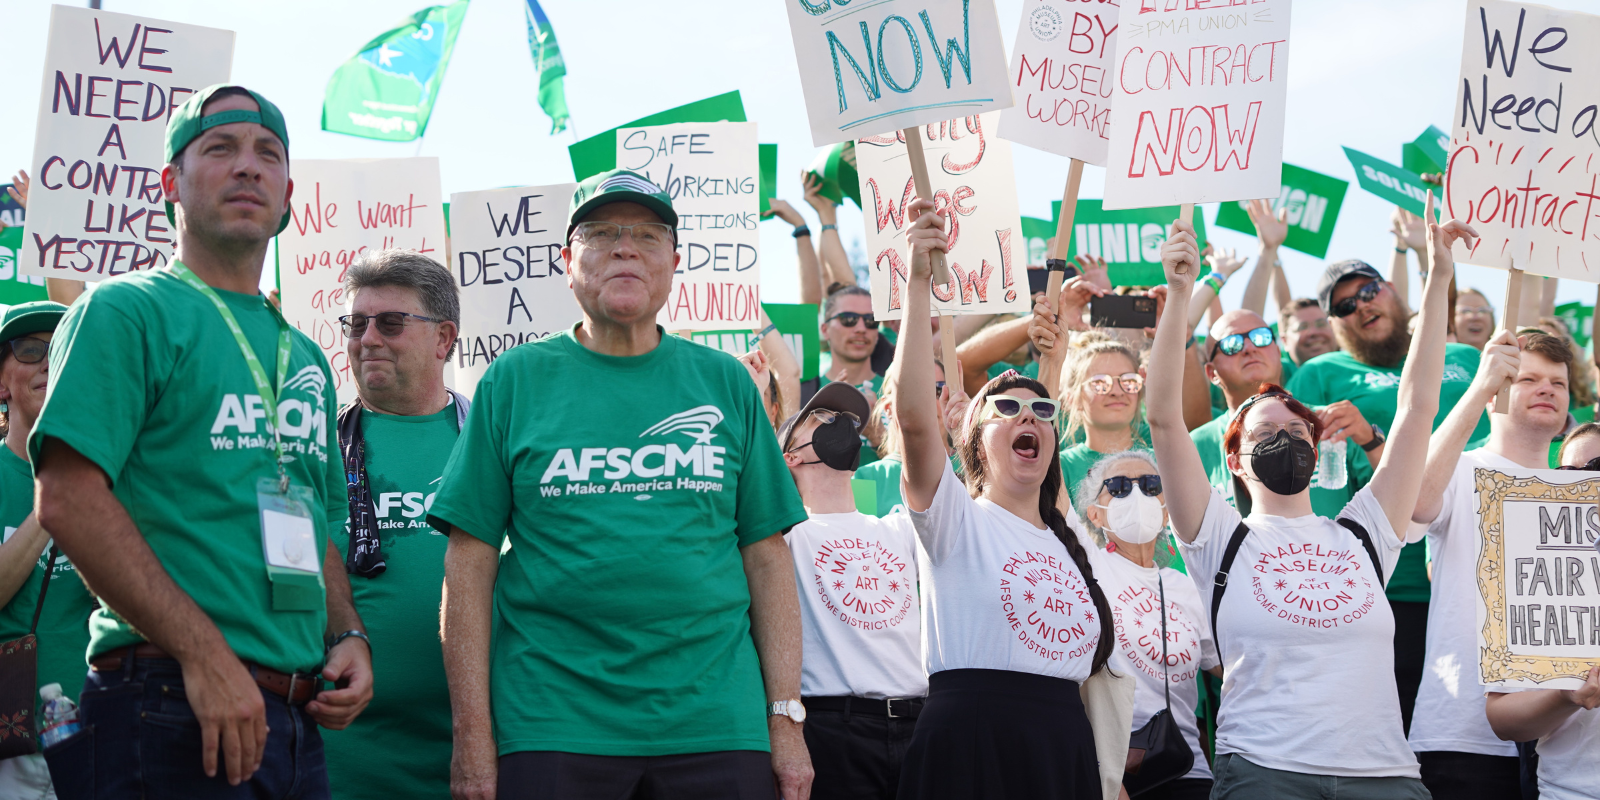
[1402, 187]
[387, 90]
[1579, 318]
[1313, 201]
[1128, 239]
[18, 288]
[547, 62]
[1428, 153]
[768, 184]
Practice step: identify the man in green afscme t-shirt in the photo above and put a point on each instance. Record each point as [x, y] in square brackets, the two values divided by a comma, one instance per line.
[187, 465]
[645, 621]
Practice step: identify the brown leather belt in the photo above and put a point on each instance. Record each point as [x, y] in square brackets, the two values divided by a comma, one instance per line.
[296, 688]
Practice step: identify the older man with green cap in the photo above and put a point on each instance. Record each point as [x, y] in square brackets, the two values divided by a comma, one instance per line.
[645, 620]
[187, 464]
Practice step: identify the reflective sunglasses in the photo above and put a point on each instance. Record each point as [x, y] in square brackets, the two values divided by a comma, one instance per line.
[29, 350]
[1592, 466]
[1121, 485]
[1365, 294]
[1132, 382]
[647, 236]
[849, 319]
[390, 323]
[1233, 344]
[1044, 409]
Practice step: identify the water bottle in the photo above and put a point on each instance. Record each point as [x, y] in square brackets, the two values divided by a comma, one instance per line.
[60, 715]
[1330, 466]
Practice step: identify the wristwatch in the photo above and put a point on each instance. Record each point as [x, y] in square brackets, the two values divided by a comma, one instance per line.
[1376, 441]
[793, 709]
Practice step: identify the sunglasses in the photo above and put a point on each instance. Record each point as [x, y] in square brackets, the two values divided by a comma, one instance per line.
[849, 319]
[1233, 344]
[1004, 405]
[390, 323]
[1132, 382]
[29, 350]
[1121, 485]
[1365, 294]
[1592, 466]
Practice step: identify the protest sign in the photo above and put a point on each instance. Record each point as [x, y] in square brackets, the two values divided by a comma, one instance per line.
[711, 171]
[1313, 202]
[11, 212]
[598, 153]
[1036, 233]
[1579, 319]
[796, 323]
[1521, 170]
[1199, 94]
[768, 179]
[341, 209]
[1128, 239]
[1402, 187]
[1061, 79]
[506, 255]
[1538, 578]
[16, 287]
[95, 208]
[974, 183]
[1428, 153]
[892, 64]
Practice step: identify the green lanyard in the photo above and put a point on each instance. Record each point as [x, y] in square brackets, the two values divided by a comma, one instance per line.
[269, 393]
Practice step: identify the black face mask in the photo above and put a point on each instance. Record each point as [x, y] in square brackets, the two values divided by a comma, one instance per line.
[836, 445]
[1284, 464]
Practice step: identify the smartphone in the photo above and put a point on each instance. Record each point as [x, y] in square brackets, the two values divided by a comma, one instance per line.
[1122, 311]
[1038, 280]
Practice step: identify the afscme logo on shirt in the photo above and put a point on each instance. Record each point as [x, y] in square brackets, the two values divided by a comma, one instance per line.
[683, 462]
[241, 422]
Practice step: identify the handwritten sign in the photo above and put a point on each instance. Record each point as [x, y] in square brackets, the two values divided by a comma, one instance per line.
[1312, 200]
[1522, 165]
[1128, 239]
[869, 68]
[1538, 577]
[973, 181]
[1199, 97]
[1061, 78]
[110, 82]
[711, 170]
[341, 209]
[506, 248]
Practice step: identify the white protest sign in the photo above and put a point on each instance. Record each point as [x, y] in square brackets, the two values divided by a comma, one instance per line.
[712, 172]
[1538, 577]
[1522, 165]
[867, 68]
[1199, 96]
[1061, 78]
[506, 245]
[110, 82]
[974, 183]
[342, 208]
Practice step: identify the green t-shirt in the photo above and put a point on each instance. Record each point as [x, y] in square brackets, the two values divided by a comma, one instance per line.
[63, 631]
[1289, 367]
[1208, 439]
[1028, 370]
[623, 625]
[884, 472]
[147, 382]
[1375, 391]
[1076, 461]
[400, 745]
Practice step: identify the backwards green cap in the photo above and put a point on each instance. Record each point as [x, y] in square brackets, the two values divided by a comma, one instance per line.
[186, 125]
[619, 186]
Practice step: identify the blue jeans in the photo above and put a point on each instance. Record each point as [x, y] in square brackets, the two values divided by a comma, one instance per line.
[141, 739]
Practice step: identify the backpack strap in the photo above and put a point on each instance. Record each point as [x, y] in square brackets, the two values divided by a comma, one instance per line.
[1220, 583]
[1366, 542]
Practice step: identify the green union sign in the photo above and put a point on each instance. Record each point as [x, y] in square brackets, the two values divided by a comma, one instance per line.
[1312, 200]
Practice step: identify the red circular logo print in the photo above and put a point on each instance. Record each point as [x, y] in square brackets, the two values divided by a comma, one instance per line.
[1047, 603]
[1315, 585]
[863, 583]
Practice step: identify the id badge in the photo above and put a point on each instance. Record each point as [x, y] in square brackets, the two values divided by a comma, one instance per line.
[289, 545]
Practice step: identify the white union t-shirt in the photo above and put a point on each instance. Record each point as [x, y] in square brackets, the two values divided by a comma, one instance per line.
[860, 619]
[1569, 758]
[1307, 642]
[999, 593]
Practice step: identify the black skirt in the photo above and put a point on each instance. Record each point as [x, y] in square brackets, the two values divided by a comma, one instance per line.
[988, 734]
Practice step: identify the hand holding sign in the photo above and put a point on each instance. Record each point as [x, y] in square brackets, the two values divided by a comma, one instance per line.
[924, 238]
[1502, 358]
[1180, 259]
[1587, 696]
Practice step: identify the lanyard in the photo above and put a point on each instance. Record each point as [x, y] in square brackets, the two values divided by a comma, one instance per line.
[269, 393]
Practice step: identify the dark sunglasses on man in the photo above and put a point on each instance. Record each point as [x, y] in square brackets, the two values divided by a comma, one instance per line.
[849, 319]
[1365, 294]
[30, 350]
[1121, 485]
[1233, 344]
[390, 323]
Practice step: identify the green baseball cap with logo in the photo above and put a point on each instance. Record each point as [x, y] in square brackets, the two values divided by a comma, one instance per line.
[25, 318]
[186, 125]
[619, 186]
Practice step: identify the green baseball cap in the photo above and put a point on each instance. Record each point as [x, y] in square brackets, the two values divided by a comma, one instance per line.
[25, 318]
[619, 186]
[186, 125]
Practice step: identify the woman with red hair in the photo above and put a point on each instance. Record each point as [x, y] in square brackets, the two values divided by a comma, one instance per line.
[1309, 705]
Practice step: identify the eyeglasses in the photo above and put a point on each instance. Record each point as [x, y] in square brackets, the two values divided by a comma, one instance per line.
[1044, 409]
[1592, 466]
[849, 319]
[29, 350]
[1263, 431]
[1233, 344]
[827, 416]
[390, 323]
[1365, 294]
[1121, 485]
[1132, 382]
[647, 236]
[1484, 310]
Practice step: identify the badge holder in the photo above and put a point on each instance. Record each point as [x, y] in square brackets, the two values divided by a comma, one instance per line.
[289, 542]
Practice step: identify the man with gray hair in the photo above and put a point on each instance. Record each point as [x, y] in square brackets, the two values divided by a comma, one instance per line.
[405, 313]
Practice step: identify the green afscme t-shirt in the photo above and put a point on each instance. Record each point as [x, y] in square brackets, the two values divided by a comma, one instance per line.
[400, 745]
[147, 382]
[1375, 391]
[627, 486]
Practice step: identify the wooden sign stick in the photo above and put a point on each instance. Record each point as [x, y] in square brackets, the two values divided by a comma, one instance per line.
[941, 273]
[1502, 398]
[1057, 259]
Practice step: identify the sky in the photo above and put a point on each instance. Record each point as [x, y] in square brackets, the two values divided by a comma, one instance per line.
[1368, 74]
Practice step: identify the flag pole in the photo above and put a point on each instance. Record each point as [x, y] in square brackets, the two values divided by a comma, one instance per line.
[1058, 253]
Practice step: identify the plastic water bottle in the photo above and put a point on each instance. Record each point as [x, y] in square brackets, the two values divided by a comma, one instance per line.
[1330, 466]
[60, 715]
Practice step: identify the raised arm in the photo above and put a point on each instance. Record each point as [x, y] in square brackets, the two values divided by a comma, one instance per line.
[988, 347]
[1398, 480]
[1224, 263]
[1500, 362]
[784, 367]
[835, 263]
[1271, 230]
[1183, 477]
[1196, 389]
[1050, 333]
[805, 248]
[1282, 295]
[1410, 235]
[916, 407]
